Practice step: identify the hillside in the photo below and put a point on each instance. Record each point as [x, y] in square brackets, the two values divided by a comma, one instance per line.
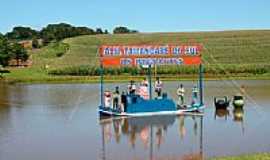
[239, 50]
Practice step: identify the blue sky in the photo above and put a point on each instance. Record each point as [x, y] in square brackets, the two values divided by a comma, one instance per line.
[143, 15]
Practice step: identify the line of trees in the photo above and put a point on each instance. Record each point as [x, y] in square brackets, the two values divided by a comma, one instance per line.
[61, 31]
[52, 32]
[22, 33]
[11, 49]
[57, 32]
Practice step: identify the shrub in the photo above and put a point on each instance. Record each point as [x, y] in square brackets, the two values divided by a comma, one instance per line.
[164, 70]
[59, 54]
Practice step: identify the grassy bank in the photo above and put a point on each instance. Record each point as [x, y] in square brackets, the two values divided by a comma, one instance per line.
[239, 54]
[122, 78]
[261, 156]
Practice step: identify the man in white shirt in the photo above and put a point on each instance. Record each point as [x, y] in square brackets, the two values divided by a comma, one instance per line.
[132, 87]
[181, 94]
[158, 87]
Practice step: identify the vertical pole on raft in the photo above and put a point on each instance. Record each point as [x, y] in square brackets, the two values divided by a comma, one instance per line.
[201, 83]
[101, 86]
[150, 81]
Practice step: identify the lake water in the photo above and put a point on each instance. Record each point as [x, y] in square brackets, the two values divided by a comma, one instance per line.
[60, 121]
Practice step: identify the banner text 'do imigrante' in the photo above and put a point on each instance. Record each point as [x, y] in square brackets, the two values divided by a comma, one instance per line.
[137, 55]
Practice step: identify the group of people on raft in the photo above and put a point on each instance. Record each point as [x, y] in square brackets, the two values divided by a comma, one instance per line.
[119, 101]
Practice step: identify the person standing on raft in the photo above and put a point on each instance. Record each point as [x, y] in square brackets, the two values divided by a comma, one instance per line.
[181, 94]
[158, 87]
[195, 92]
[132, 87]
[116, 98]
[144, 90]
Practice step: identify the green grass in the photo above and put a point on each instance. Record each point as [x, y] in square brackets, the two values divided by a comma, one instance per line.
[50, 55]
[261, 156]
[239, 53]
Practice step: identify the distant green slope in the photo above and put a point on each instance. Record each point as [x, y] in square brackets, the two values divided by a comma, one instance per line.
[230, 49]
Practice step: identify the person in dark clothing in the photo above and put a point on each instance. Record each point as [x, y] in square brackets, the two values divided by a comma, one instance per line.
[124, 101]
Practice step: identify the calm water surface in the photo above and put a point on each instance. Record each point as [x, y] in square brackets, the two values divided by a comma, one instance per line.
[59, 121]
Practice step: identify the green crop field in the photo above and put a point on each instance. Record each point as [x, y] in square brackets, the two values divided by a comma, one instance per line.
[261, 156]
[237, 53]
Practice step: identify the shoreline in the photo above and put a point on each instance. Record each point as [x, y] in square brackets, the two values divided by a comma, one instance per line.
[120, 78]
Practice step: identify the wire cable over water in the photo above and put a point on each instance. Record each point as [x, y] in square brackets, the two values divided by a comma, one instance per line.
[237, 86]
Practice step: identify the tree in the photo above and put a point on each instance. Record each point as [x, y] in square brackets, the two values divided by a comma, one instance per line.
[57, 32]
[134, 31]
[9, 50]
[84, 31]
[99, 31]
[35, 43]
[47, 37]
[121, 30]
[5, 51]
[22, 33]
[18, 53]
[106, 31]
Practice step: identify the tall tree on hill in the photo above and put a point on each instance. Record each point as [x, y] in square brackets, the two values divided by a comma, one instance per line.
[9, 50]
[4, 57]
[22, 33]
[4, 51]
[18, 53]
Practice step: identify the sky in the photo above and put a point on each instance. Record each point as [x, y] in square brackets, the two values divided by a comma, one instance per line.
[142, 15]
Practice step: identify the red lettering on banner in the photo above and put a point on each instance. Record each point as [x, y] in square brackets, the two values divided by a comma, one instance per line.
[132, 55]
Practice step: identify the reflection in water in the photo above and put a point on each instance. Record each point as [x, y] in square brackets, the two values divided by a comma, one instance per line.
[5, 112]
[182, 129]
[222, 113]
[238, 114]
[4, 96]
[238, 117]
[150, 131]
